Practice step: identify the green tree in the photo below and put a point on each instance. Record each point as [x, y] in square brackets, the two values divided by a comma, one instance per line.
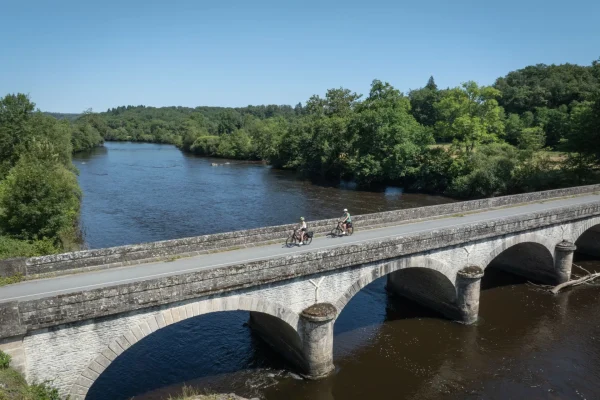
[470, 115]
[327, 123]
[555, 122]
[15, 112]
[584, 138]
[532, 139]
[423, 101]
[388, 141]
[40, 198]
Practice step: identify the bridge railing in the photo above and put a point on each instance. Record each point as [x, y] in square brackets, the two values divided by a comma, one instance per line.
[169, 249]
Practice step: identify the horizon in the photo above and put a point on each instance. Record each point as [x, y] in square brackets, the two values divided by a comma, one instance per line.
[69, 57]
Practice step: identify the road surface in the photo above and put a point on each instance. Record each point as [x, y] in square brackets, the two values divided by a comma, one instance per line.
[41, 288]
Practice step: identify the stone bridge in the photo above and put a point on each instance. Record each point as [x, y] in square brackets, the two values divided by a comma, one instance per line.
[78, 312]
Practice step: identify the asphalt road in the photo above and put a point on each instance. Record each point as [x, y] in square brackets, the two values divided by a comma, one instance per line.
[91, 280]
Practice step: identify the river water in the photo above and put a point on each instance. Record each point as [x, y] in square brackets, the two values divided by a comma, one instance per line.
[527, 344]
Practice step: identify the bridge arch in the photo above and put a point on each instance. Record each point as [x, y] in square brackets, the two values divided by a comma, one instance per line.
[426, 267]
[173, 314]
[525, 241]
[586, 236]
[579, 228]
[528, 255]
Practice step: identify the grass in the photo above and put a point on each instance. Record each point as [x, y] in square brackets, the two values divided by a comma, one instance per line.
[189, 393]
[14, 387]
[10, 280]
[555, 156]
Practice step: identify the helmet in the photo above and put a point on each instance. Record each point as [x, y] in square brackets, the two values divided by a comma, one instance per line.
[301, 218]
[345, 210]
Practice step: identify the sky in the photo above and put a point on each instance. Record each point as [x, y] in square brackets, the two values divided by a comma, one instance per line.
[73, 55]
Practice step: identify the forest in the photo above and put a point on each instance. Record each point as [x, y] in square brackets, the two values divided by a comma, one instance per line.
[536, 128]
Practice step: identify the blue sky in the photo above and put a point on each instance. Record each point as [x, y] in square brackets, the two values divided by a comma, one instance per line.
[71, 55]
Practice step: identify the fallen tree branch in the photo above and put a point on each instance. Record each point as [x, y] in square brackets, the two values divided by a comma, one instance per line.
[575, 282]
[580, 267]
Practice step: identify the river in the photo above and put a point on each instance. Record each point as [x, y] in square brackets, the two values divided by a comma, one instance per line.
[527, 344]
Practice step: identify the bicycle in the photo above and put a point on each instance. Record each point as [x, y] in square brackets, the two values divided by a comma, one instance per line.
[295, 239]
[338, 230]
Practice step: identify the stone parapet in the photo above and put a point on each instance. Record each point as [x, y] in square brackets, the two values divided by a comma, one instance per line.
[156, 251]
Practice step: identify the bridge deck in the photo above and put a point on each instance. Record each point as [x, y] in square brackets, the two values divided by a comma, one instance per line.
[36, 289]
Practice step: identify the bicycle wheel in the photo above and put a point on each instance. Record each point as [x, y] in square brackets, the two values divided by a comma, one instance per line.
[337, 231]
[350, 231]
[290, 241]
[307, 240]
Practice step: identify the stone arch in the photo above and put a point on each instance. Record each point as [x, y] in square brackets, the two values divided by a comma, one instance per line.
[423, 263]
[508, 242]
[529, 255]
[586, 236]
[172, 314]
[579, 228]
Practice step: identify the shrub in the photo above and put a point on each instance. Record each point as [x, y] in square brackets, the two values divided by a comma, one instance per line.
[4, 360]
[43, 391]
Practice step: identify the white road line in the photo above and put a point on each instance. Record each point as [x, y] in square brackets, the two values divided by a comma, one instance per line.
[263, 258]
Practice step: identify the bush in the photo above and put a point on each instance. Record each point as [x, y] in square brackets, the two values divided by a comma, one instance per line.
[43, 391]
[4, 360]
[205, 145]
[38, 199]
[10, 247]
[487, 172]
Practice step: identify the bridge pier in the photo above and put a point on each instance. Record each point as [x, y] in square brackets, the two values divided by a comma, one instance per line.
[468, 288]
[311, 348]
[563, 260]
[589, 242]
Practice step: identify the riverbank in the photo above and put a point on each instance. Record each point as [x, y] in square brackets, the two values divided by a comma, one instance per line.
[14, 387]
[189, 393]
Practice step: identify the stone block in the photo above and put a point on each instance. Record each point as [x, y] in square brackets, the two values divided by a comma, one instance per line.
[90, 374]
[145, 327]
[176, 315]
[13, 266]
[189, 310]
[168, 316]
[96, 367]
[137, 332]
[130, 338]
[103, 361]
[109, 353]
[160, 320]
[116, 347]
[152, 324]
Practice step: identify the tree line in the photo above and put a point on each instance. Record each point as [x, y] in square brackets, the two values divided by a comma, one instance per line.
[39, 194]
[468, 141]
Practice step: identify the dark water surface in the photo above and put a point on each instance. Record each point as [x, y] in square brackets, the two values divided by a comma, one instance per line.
[139, 192]
[528, 344]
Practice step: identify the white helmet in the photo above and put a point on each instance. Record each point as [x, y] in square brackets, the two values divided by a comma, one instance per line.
[345, 210]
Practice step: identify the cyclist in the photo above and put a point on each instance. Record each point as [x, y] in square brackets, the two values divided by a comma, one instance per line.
[300, 230]
[346, 221]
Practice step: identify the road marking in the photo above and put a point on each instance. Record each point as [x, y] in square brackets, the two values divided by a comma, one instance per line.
[181, 272]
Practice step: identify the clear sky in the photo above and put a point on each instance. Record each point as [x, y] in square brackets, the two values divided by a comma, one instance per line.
[73, 55]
